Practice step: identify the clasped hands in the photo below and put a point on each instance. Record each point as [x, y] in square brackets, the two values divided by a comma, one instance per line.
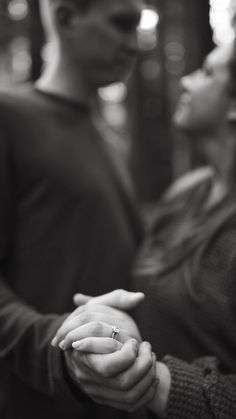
[121, 372]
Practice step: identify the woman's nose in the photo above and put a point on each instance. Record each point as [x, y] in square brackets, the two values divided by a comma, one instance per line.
[187, 81]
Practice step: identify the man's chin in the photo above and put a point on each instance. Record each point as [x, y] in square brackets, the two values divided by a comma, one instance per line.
[181, 121]
[112, 80]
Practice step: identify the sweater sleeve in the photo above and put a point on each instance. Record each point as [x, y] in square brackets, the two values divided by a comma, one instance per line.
[199, 390]
[25, 334]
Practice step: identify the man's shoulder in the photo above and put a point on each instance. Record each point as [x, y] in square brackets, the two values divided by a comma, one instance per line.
[15, 96]
[18, 105]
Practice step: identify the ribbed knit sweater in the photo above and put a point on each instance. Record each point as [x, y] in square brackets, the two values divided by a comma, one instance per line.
[189, 314]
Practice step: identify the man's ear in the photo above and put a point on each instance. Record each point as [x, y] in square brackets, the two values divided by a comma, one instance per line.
[231, 115]
[64, 13]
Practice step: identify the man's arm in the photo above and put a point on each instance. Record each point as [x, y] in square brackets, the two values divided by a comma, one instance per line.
[25, 334]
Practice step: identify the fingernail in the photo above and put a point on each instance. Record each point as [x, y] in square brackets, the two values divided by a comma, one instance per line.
[140, 294]
[54, 341]
[62, 345]
[77, 345]
[148, 345]
[136, 294]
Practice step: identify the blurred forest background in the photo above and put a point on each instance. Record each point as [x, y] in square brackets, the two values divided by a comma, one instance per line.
[174, 36]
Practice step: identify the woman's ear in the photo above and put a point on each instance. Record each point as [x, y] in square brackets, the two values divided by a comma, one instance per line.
[231, 116]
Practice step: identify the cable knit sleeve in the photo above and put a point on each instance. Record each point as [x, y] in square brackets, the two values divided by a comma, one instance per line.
[199, 390]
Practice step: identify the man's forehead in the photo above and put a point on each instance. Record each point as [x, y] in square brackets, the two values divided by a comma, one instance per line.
[117, 6]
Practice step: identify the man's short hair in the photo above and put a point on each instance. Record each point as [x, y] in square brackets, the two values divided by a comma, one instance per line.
[47, 17]
[82, 5]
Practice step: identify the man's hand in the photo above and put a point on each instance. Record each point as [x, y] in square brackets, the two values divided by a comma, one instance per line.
[124, 379]
[119, 298]
[99, 317]
[95, 321]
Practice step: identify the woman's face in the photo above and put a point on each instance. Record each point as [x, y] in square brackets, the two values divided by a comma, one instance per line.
[205, 100]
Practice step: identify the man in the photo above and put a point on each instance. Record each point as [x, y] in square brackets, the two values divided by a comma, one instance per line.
[67, 223]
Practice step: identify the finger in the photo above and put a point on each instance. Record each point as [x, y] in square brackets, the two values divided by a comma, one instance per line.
[79, 319]
[145, 400]
[133, 375]
[92, 329]
[147, 396]
[111, 316]
[87, 313]
[82, 372]
[110, 365]
[57, 338]
[80, 299]
[97, 345]
[121, 299]
[129, 400]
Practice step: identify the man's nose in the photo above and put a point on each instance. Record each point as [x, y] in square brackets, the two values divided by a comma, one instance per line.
[132, 42]
[184, 82]
[188, 80]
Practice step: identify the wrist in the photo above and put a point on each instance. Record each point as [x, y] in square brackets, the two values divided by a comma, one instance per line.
[159, 403]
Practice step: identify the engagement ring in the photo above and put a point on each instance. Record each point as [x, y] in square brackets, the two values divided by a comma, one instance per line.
[115, 332]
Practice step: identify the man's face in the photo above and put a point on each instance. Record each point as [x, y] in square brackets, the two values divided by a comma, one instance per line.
[204, 103]
[105, 43]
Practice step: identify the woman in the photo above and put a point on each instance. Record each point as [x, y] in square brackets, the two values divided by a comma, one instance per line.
[187, 271]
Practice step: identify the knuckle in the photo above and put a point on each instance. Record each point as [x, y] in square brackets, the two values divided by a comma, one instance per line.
[150, 396]
[97, 399]
[69, 338]
[85, 317]
[80, 376]
[97, 328]
[149, 362]
[103, 370]
[107, 371]
[124, 383]
[132, 409]
[79, 310]
[131, 399]
[59, 334]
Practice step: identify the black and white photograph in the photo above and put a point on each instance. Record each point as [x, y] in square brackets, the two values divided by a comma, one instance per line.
[117, 209]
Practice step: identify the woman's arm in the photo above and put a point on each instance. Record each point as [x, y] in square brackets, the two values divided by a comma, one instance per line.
[200, 390]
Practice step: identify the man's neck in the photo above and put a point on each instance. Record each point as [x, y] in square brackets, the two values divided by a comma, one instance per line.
[63, 80]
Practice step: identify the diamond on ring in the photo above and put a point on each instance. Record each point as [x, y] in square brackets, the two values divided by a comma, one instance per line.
[115, 332]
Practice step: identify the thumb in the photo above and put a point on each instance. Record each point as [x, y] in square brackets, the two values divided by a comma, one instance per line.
[81, 299]
[120, 299]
